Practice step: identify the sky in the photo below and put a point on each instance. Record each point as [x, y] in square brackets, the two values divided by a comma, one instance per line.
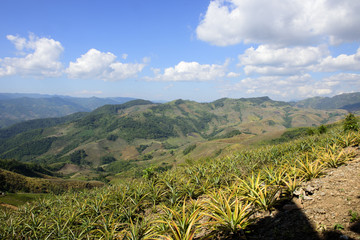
[199, 50]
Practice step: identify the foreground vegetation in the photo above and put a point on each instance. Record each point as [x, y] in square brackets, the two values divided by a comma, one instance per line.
[200, 199]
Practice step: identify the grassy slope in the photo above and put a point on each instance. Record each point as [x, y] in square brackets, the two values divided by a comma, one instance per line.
[14, 182]
[167, 129]
[92, 212]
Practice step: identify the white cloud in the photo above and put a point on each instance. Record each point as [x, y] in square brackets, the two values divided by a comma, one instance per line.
[99, 65]
[344, 80]
[342, 62]
[190, 71]
[271, 60]
[294, 87]
[87, 92]
[41, 57]
[278, 87]
[233, 75]
[293, 22]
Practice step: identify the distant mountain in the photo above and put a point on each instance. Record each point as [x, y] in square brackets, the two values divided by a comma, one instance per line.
[347, 101]
[19, 107]
[140, 130]
[4, 96]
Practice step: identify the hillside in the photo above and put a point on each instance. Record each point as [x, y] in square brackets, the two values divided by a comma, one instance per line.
[140, 133]
[305, 188]
[21, 107]
[347, 101]
[18, 107]
[14, 182]
[29, 177]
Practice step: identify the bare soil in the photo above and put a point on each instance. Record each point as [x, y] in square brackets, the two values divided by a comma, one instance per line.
[321, 211]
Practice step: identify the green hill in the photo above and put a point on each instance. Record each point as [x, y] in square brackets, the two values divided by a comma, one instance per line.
[245, 194]
[347, 101]
[129, 137]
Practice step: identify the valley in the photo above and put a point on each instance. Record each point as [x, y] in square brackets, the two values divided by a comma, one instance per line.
[142, 169]
[117, 141]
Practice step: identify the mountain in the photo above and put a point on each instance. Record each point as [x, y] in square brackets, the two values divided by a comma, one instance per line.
[264, 189]
[21, 107]
[347, 101]
[18, 107]
[139, 133]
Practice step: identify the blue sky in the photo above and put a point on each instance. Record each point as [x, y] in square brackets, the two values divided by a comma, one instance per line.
[164, 50]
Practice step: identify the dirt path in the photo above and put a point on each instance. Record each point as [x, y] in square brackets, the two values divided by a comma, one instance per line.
[321, 212]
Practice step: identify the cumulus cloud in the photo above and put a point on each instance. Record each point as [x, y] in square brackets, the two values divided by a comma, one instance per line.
[342, 62]
[40, 57]
[233, 75]
[294, 87]
[100, 65]
[279, 87]
[190, 71]
[270, 60]
[342, 81]
[285, 22]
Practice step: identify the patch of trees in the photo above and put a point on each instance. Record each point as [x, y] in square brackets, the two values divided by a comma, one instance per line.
[287, 120]
[141, 148]
[189, 148]
[37, 124]
[30, 149]
[153, 127]
[90, 121]
[107, 159]
[78, 157]
[147, 157]
[8, 144]
[119, 166]
[26, 169]
[114, 108]
[112, 137]
[219, 103]
[231, 134]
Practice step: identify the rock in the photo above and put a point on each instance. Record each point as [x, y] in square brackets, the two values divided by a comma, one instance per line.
[309, 190]
[307, 197]
[320, 211]
[299, 192]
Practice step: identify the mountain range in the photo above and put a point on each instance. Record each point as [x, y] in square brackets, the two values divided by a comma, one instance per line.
[347, 101]
[139, 133]
[18, 107]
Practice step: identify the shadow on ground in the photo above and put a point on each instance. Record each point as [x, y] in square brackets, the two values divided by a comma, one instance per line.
[293, 224]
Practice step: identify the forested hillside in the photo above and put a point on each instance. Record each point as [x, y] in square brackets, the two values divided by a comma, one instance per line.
[347, 101]
[129, 137]
[247, 194]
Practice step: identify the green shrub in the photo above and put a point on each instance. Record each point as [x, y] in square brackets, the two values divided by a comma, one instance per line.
[112, 137]
[107, 159]
[351, 123]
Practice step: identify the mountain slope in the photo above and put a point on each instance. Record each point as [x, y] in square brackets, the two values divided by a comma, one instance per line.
[21, 107]
[141, 133]
[348, 101]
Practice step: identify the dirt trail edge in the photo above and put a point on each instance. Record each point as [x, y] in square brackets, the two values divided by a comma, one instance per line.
[327, 208]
